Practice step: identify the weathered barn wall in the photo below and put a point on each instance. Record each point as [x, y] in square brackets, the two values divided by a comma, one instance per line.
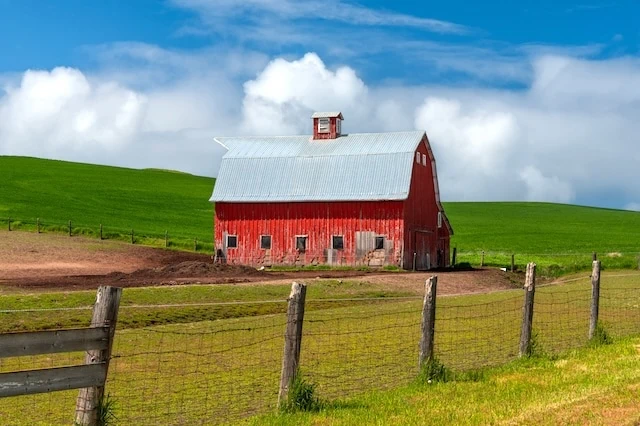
[358, 222]
[423, 237]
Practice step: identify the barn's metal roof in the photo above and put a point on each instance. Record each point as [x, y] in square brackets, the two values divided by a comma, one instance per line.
[364, 166]
[327, 114]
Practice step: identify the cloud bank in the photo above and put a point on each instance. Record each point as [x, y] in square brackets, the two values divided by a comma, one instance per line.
[569, 136]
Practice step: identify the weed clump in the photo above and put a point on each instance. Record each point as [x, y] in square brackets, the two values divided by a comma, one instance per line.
[601, 336]
[433, 371]
[301, 397]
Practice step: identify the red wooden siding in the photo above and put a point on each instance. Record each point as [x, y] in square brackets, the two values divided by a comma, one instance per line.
[422, 234]
[319, 221]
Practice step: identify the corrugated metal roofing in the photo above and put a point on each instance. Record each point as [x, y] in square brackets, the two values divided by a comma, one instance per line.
[365, 166]
[327, 114]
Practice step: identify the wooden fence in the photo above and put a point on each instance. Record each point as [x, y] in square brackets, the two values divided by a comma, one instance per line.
[90, 378]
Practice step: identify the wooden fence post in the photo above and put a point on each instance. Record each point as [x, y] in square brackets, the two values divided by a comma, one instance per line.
[595, 256]
[105, 314]
[527, 317]
[415, 256]
[595, 298]
[513, 262]
[292, 340]
[455, 253]
[166, 239]
[482, 259]
[100, 232]
[132, 237]
[195, 244]
[38, 225]
[428, 320]
[70, 228]
[9, 224]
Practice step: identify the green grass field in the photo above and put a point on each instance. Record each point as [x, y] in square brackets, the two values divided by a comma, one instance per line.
[560, 238]
[148, 201]
[221, 369]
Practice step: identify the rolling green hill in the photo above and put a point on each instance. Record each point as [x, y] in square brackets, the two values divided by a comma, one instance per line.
[154, 201]
[148, 201]
[553, 235]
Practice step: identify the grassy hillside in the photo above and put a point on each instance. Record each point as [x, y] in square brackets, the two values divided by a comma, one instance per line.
[148, 201]
[551, 234]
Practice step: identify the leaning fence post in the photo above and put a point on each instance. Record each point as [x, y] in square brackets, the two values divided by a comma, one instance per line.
[292, 340]
[105, 314]
[527, 317]
[455, 252]
[69, 228]
[38, 225]
[595, 298]
[428, 320]
[195, 244]
[100, 232]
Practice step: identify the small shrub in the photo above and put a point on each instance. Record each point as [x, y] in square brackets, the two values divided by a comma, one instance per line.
[601, 336]
[301, 396]
[433, 371]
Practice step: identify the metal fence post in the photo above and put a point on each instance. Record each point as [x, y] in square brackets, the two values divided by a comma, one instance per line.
[428, 320]
[292, 340]
[595, 298]
[105, 314]
[527, 317]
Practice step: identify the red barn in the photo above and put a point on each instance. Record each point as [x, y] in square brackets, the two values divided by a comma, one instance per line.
[330, 198]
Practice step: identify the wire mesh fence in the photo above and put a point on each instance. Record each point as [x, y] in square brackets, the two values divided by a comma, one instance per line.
[219, 371]
[135, 235]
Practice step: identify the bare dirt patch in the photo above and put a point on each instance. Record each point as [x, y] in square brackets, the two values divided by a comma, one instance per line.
[32, 261]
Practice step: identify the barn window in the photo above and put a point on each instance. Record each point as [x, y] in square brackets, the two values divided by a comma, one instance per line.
[424, 159]
[301, 244]
[265, 242]
[439, 219]
[232, 241]
[418, 157]
[379, 243]
[323, 125]
[337, 242]
[338, 126]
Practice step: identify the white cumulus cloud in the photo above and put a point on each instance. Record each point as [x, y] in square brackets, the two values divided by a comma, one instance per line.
[50, 112]
[283, 96]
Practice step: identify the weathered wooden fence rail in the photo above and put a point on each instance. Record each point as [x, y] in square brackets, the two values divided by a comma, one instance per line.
[90, 377]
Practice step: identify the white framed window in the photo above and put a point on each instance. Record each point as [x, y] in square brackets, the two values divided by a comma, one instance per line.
[338, 126]
[379, 243]
[424, 159]
[418, 157]
[337, 242]
[265, 242]
[439, 219]
[323, 125]
[232, 241]
[301, 243]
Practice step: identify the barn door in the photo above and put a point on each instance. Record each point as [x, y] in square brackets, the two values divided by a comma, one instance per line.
[423, 244]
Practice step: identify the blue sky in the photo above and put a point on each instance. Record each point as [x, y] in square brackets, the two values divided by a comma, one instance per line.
[521, 100]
